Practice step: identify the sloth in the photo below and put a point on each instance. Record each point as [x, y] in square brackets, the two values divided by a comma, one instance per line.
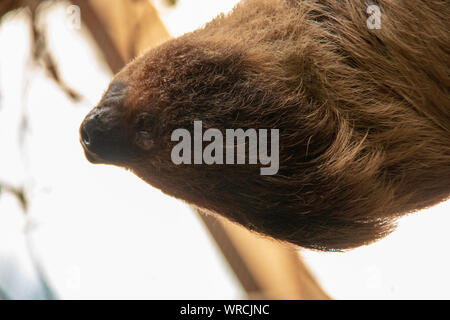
[360, 98]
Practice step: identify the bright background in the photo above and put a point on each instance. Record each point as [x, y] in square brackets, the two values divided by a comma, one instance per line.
[100, 232]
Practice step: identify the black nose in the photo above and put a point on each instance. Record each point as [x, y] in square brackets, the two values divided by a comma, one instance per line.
[91, 127]
[100, 133]
[94, 129]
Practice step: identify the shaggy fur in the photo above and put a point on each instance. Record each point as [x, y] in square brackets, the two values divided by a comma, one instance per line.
[364, 115]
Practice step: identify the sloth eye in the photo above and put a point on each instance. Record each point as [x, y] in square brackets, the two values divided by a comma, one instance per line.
[145, 131]
[144, 120]
[144, 140]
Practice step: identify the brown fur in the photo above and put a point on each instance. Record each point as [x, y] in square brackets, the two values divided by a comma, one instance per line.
[364, 115]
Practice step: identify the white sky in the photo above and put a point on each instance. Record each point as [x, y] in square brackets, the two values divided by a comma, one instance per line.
[103, 233]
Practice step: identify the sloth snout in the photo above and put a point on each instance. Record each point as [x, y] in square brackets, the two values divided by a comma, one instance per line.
[94, 130]
[100, 130]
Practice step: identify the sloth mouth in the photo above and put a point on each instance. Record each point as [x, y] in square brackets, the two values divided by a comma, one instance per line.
[102, 153]
[90, 155]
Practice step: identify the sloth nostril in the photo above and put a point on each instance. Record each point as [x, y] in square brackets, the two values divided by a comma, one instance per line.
[85, 138]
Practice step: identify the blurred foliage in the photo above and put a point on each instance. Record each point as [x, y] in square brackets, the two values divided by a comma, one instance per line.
[19, 193]
[40, 52]
[42, 56]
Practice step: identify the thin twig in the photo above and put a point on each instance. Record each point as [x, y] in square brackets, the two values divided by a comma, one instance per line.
[43, 279]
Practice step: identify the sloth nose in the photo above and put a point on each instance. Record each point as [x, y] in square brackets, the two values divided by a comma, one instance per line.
[93, 129]
[100, 131]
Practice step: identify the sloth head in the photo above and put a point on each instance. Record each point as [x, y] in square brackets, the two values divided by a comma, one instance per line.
[222, 85]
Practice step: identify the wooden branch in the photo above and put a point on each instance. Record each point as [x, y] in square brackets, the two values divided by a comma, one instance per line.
[267, 269]
[101, 36]
[122, 29]
[223, 240]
